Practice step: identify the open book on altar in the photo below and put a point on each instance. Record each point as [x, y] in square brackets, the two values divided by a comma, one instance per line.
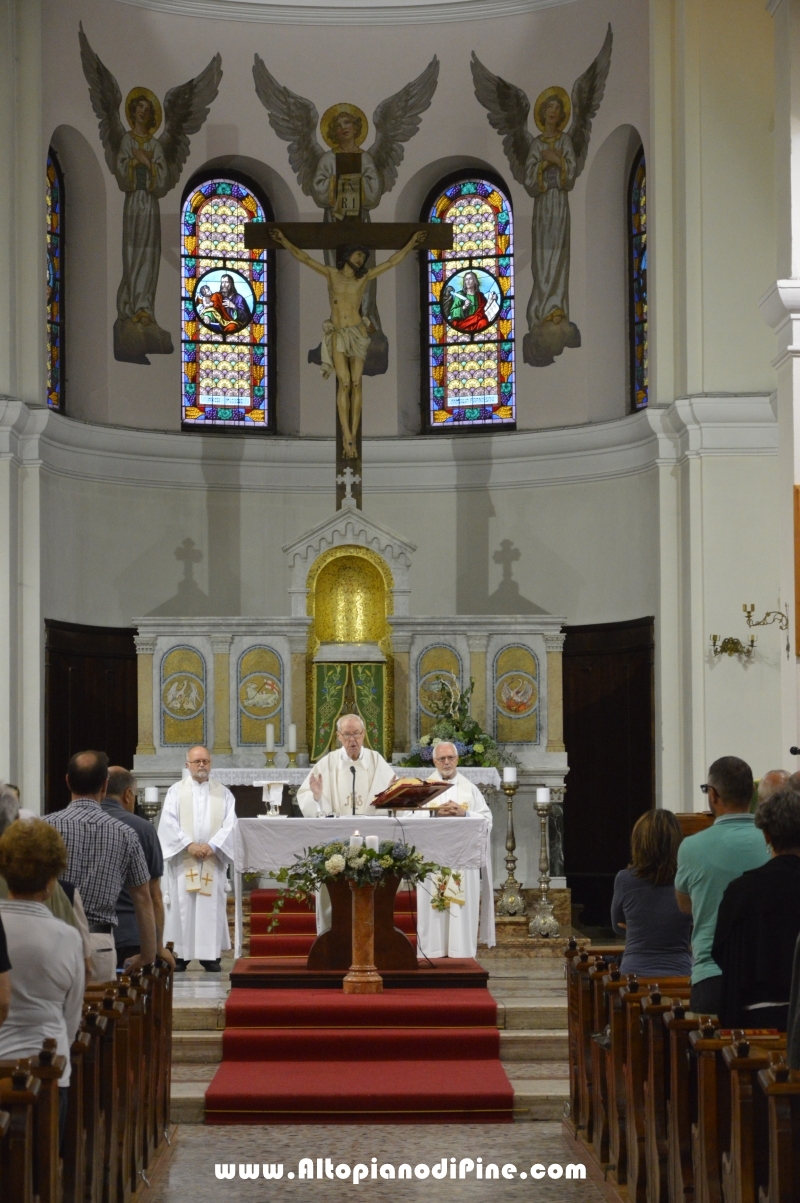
[411, 794]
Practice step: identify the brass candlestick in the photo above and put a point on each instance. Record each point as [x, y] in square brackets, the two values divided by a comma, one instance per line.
[543, 921]
[510, 901]
[270, 759]
[292, 760]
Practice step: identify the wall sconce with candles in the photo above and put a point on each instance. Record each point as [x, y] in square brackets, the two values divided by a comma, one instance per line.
[731, 646]
[779, 616]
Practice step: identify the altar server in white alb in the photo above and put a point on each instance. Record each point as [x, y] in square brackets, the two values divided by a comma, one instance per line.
[329, 787]
[454, 932]
[195, 831]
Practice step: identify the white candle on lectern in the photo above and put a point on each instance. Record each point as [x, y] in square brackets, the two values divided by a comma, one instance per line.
[292, 737]
[509, 775]
[270, 737]
[543, 794]
[372, 842]
[356, 840]
[151, 793]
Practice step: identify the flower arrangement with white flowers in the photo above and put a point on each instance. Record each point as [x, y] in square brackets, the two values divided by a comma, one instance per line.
[450, 706]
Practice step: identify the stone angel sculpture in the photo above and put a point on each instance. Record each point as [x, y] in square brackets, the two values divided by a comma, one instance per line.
[547, 166]
[145, 168]
[347, 188]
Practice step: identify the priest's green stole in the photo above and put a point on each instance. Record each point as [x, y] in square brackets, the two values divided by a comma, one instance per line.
[344, 688]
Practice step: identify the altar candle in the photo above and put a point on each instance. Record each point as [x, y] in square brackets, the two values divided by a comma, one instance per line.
[543, 794]
[510, 775]
[270, 737]
[151, 793]
[356, 840]
[372, 842]
[292, 737]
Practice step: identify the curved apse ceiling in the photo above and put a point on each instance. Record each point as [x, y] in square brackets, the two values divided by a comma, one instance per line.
[349, 12]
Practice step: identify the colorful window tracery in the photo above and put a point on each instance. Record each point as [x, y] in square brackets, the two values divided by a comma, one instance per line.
[637, 236]
[226, 309]
[54, 193]
[469, 309]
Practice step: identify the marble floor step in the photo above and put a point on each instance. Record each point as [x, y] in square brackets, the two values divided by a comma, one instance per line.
[543, 1045]
[531, 1012]
[196, 1046]
[193, 1014]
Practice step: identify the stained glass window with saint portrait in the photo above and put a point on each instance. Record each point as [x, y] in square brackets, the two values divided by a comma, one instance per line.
[637, 260]
[54, 194]
[468, 316]
[227, 345]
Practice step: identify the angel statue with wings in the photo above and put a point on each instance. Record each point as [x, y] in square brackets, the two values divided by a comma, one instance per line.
[547, 167]
[346, 182]
[146, 168]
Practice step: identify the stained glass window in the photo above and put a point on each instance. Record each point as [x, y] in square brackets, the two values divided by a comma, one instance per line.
[226, 309]
[55, 282]
[469, 324]
[637, 236]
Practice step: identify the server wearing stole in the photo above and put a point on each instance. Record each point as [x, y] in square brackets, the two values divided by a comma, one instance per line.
[454, 932]
[345, 781]
[196, 823]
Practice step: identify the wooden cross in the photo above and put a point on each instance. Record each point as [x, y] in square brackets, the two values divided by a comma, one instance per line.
[328, 235]
[348, 478]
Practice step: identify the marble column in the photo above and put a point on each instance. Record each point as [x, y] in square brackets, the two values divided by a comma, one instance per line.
[298, 646]
[221, 647]
[401, 648]
[477, 671]
[145, 647]
[555, 692]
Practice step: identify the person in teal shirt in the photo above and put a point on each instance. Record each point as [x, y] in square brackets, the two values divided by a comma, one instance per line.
[709, 861]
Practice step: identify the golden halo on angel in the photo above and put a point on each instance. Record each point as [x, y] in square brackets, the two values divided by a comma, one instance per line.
[330, 116]
[155, 107]
[542, 101]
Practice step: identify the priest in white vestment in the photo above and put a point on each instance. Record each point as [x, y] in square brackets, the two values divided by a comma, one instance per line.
[195, 829]
[454, 932]
[350, 771]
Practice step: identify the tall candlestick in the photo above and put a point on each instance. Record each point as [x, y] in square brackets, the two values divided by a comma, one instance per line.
[270, 737]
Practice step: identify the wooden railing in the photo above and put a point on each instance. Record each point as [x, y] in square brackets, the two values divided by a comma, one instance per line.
[118, 1114]
[665, 1106]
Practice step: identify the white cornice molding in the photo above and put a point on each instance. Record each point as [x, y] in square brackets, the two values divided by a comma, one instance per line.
[716, 424]
[512, 625]
[151, 628]
[357, 12]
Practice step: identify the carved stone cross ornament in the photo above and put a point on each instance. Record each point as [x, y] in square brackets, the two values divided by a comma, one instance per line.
[348, 478]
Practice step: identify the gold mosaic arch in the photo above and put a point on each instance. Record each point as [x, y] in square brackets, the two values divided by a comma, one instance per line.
[350, 602]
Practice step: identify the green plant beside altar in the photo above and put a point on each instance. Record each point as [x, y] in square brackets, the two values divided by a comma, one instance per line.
[450, 706]
[363, 867]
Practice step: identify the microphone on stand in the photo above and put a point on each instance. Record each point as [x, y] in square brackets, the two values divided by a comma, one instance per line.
[353, 771]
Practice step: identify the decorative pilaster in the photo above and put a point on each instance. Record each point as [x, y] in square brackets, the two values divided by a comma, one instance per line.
[477, 671]
[555, 692]
[401, 648]
[221, 647]
[145, 647]
[298, 646]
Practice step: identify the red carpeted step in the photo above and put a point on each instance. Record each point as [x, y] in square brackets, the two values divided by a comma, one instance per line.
[356, 1092]
[277, 944]
[367, 1044]
[432, 1008]
[262, 902]
[287, 922]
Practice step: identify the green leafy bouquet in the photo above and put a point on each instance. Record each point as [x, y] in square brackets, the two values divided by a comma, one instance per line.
[364, 866]
[454, 724]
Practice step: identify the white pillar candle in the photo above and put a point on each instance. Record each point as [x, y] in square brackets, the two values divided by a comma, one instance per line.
[509, 775]
[292, 737]
[543, 794]
[372, 842]
[356, 840]
[270, 737]
[151, 793]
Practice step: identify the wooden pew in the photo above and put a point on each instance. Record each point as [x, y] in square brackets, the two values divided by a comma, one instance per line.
[680, 1177]
[19, 1093]
[604, 981]
[745, 1166]
[48, 1067]
[75, 1135]
[655, 1091]
[579, 1010]
[5, 1121]
[163, 1037]
[781, 1088]
[711, 1118]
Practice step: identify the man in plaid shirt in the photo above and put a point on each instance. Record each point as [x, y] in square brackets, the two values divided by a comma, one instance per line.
[104, 855]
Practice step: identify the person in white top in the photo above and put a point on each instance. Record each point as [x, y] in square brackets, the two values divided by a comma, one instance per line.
[351, 769]
[197, 820]
[454, 932]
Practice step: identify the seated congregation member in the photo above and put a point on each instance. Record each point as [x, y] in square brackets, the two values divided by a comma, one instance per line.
[120, 803]
[758, 924]
[47, 975]
[351, 770]
[644, 909]
[454, 932]
[103, 855]
[709, 861]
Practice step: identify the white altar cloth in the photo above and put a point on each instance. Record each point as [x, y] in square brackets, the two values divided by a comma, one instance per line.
[247, 776]
[266, 845]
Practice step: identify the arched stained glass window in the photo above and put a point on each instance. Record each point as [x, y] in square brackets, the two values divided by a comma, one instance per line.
[637, 269]
[468, 313]
[55, 282]
[227, 347]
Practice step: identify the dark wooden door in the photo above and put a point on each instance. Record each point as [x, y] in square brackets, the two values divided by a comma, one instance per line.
[609, 732]
[89, 699]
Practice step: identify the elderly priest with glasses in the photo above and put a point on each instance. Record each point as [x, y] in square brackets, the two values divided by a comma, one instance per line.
[454, 931]
[347, 779]
[195, 827]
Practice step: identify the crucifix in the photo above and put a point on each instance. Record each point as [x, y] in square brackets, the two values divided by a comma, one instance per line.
[346, 335]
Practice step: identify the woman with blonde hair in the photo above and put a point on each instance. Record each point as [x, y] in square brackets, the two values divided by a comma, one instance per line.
[644, 908]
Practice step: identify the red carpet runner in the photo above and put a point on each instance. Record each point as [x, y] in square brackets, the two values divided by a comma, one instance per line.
[311, 1056]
